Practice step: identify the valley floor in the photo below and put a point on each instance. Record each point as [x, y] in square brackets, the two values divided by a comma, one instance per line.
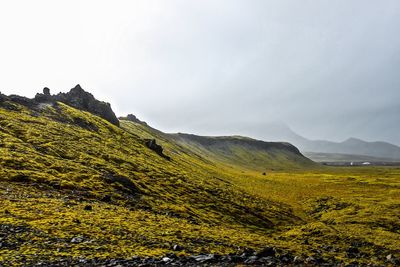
[348, 215]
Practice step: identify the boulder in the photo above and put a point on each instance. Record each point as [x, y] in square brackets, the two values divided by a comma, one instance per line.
[266, 252]
[46, 91]
[152, 144]
[177, 247]
[45, 97]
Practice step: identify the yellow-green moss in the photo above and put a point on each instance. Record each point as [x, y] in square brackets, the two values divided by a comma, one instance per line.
[52, 167]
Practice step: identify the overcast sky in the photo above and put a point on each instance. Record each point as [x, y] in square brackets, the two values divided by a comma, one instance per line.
[328, 69]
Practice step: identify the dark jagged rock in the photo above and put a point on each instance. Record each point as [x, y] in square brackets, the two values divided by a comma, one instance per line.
[132, 118]
[46, 91]
[77, 98]
[22, 100]
[2, 97]
[45, 97]
[266, 252]
[152, 144]
[80, 99]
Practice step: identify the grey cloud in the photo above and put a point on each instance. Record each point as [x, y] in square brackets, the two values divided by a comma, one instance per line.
[328, 69]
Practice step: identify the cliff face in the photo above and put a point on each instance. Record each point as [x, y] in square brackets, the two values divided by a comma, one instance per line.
[82, 100]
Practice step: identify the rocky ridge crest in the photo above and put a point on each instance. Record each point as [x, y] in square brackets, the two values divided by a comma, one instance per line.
[80, 99]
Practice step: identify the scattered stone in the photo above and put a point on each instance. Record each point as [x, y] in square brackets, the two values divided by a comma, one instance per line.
[234, 259]
[310, 260]
[204, 258]
[77, 239]
[251, 260]
[266, 252]
[106, 198]
[82, 260]
[166, 259]
[177, 247]
[298, 259]
[393, 260]
[247, 252]
[352, 252]
[88, 208]
[269, 261]
[175, 260]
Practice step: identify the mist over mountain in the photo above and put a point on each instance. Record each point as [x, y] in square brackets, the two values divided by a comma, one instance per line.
[350, 146]
[328, 68]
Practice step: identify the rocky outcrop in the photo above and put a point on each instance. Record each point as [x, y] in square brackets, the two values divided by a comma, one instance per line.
[152, 144]
[132, 118]
[21, 100]
[80, 99]
[45, 97]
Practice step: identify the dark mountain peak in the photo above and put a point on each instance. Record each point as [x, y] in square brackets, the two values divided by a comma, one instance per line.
[78, 90]
[80, 99]
[77, 87]
[77, 94]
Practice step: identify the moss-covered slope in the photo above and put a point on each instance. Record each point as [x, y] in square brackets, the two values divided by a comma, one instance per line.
[71, 149]
[227, 151]
[73, 185]
[56, 160]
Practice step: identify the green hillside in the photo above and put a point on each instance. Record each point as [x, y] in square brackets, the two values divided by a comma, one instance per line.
[246, 152]
[73, 185]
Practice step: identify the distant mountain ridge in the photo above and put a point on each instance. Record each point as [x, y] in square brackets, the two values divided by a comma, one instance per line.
[351, 146]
